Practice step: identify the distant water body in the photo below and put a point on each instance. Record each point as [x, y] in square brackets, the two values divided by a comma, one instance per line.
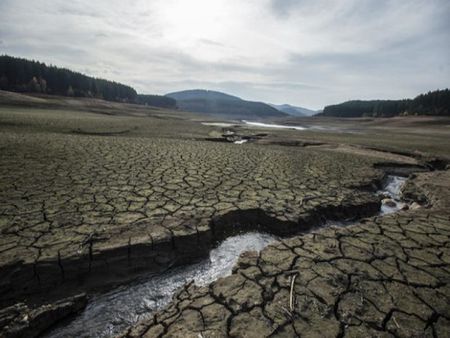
[291, 127]
[268, 125]
[278, 126]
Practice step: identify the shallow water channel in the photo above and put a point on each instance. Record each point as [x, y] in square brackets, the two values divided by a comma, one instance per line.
[392, 189]
[110, 313]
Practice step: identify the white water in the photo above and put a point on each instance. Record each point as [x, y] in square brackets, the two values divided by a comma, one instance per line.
[108, 314]
[392, 189]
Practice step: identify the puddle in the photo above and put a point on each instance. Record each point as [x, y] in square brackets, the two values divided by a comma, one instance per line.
[240, 141]
[218, 124]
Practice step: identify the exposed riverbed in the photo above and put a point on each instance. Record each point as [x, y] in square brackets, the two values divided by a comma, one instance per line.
[110, 313]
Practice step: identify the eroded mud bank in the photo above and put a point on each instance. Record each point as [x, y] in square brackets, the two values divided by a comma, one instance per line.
[110, 313]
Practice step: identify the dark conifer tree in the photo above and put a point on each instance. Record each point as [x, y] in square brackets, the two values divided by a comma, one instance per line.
[21, 75]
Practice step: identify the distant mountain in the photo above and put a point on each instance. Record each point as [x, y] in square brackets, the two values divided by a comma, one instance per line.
[217, 103]
[293, 110]
[201, 94]
[432, 103]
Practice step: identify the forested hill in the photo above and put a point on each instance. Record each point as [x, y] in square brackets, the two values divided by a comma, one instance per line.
[432, 103]
[293, 110]
[157, 101]
[21, 75]
[193, 94]
[217, 103]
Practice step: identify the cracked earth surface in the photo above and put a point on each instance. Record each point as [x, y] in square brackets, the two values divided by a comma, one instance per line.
[384, 277]
[93, 206]
[87, 199]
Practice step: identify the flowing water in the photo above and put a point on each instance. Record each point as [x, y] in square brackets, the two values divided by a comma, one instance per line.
[392, 190]
[110, 313]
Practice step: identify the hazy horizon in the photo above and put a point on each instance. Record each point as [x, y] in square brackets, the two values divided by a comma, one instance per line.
[305, 53]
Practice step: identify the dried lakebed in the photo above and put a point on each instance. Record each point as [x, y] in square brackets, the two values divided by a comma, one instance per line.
[110, 313]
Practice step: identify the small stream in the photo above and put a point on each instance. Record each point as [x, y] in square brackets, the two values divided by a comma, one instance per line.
[110, 313]
[392, 193]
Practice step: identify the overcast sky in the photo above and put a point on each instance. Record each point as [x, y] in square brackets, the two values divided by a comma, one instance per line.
[307, 52]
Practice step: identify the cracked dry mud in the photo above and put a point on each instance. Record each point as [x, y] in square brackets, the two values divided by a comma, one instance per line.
[79, 211]
[100, 208]
[385, 277]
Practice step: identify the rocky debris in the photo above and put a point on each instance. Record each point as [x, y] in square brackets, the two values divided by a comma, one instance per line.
[21, 321]
[232, 136]
[389, 202]
[388, 276]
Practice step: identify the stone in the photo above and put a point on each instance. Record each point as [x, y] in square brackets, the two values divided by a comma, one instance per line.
[389, 202]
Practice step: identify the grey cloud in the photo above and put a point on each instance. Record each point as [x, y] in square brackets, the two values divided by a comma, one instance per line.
[72, 10]
[283, 7]
[305, 52]
[211, 42]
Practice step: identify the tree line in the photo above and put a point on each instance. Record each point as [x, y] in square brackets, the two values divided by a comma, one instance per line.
[21, 75]
[432, 103]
